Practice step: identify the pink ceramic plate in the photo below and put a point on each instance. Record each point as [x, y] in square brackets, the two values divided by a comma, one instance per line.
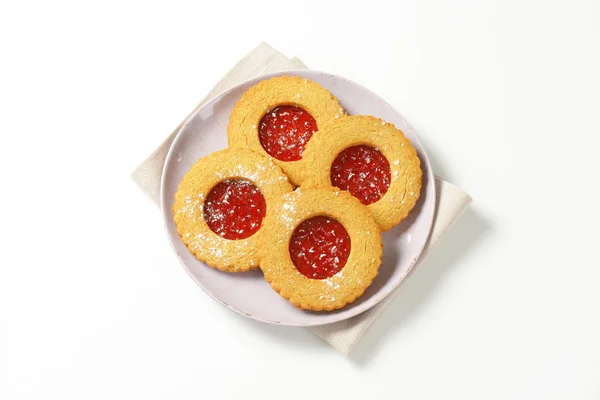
[247, 293]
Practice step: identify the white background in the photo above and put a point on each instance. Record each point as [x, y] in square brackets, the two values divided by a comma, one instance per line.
[505, 95]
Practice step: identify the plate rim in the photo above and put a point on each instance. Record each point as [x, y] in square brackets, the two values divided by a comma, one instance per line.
[166, 210]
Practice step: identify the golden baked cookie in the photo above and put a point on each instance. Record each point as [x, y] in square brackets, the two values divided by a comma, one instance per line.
[220, 205]
[370, 158]
[321, 248]
[278, 117]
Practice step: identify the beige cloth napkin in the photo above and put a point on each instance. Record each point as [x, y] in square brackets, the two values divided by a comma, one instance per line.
[451, 201]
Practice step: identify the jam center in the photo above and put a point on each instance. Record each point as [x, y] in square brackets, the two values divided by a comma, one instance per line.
[363, 171]
[320, 247]
[284, 131]
[234, 209]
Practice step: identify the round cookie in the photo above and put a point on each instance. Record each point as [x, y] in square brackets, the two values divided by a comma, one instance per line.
[290, 245]
[398, 174]
[220, 204]
[297, 106]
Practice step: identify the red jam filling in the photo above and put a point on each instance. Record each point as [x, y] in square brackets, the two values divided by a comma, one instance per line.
[284, 131]
[363, 171]
[320, 247]
[234, 209]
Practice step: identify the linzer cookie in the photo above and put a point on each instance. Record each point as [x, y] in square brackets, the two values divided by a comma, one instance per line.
[220, 205]
[371, 159]
[278, 116]
[321, 248]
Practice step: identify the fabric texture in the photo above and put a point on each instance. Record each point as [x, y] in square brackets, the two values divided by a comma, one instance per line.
[451, 201]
